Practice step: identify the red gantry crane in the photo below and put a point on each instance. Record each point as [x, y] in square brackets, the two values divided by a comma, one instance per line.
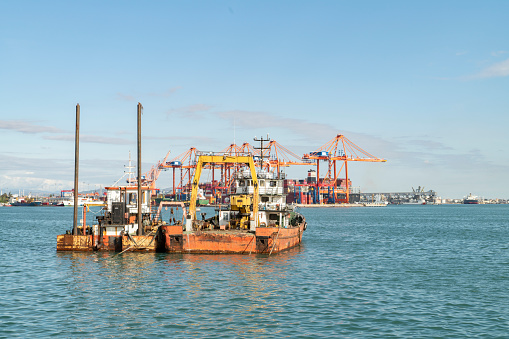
[279, 156]
[342, 149]
[273, 157]
[228, 169]
[186, 162]
[152, 175]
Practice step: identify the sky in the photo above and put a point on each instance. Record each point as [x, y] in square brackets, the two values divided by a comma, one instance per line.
[422, 84]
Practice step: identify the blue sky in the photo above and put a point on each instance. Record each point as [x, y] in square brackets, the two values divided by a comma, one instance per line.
[421, 84]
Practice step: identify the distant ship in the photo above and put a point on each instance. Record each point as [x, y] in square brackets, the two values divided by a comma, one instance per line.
[70, 201]
[471, 200]
[26, 203]
[414, 202]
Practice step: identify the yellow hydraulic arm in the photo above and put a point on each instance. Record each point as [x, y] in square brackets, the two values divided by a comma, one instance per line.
[223, 159]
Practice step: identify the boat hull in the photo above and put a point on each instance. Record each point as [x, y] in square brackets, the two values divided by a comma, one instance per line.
[172, 239]
[34, 203]
[470, 202]
[264, 240]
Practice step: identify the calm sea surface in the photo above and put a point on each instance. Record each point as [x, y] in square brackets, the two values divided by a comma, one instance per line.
[393, 272]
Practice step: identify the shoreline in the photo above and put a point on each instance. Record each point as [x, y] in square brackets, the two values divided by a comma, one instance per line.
[341, 205]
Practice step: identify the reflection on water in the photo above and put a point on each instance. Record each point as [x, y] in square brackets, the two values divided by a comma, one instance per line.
[186, 293]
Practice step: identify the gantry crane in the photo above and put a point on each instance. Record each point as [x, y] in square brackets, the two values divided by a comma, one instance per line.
[152, 175]
[342, 149]
[224, 185]
[272, 157]
[279, 156]
[148, 178]
[247, 149]
[186, 162]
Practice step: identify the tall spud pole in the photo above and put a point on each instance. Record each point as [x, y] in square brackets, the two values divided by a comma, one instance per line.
[140, 223]
[76, 167]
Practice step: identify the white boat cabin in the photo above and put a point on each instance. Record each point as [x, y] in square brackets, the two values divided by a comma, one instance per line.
[272, 211]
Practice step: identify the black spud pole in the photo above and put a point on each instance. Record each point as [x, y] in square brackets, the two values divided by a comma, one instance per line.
[76, 168]
[140, 223]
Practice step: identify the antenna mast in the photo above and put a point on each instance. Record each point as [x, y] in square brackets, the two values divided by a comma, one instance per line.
[261, 148]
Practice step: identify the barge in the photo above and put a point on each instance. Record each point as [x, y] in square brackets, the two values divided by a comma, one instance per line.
[257, 218]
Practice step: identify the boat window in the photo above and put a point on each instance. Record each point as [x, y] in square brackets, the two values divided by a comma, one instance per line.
[273, 217]
[132, 198]
[272, 183]
[242, 183]
[265, 199]
[262, 183]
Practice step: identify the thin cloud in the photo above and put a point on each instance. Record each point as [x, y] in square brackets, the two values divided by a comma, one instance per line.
[188, 139]
[36, 183]
[193, 110]
[27, 127]
[51, 174]
[261, 120]
[500, 69]
[427, 144]
[125, 97]
[498, 53]
[91, 139]
[165, 94]
[411, 153]
[422, 151]
[19, 172]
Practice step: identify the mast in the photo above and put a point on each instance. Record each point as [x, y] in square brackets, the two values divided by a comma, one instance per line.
[140, 223]
[76, 167]
[261, 148]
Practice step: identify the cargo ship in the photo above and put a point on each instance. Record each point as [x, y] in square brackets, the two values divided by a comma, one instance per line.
[24, 201]
[257, 218]
[471, 200]
[27, 203]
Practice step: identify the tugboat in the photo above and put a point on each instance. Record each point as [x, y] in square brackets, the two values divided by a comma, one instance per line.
[257, 219]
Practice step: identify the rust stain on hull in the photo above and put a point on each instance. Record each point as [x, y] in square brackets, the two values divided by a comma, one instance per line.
[172, 239]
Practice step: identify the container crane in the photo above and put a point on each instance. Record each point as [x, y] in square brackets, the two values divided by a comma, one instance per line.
[340, 148]
[279, 156]
[186, 162]
[153, 174]
[228, 169]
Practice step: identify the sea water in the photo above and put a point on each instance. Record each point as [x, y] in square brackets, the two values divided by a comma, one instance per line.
[391, 272]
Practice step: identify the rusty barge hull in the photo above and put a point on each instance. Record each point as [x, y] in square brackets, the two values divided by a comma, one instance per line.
[172, 239]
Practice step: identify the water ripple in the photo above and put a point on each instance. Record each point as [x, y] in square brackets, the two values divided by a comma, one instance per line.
[397, 272]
